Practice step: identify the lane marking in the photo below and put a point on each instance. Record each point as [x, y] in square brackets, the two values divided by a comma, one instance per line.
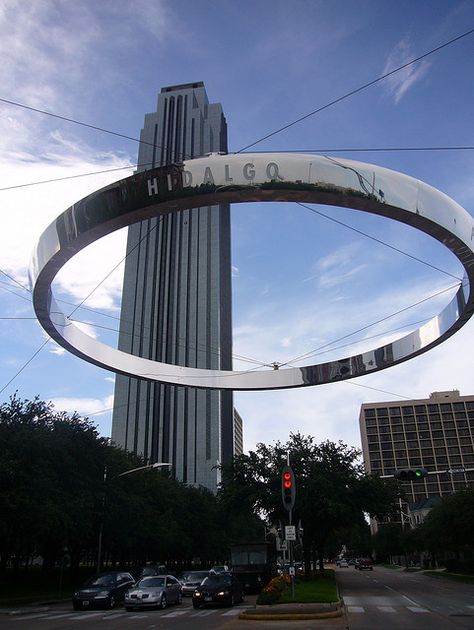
[116, 616]
[69, 614]
[355, 609]
[175, 613]
[232, 612]
[418, 609]
[386, 609]
[23, 618]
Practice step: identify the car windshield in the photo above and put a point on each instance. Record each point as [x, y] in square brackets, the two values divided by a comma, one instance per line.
[211, 580]
[151, 582]
[101, 580]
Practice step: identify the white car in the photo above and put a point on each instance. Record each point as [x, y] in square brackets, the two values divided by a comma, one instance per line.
[343, 564]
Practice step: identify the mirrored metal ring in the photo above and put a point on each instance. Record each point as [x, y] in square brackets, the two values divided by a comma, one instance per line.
[244, 178]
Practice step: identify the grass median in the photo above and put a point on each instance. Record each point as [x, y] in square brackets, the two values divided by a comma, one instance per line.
[320, 588]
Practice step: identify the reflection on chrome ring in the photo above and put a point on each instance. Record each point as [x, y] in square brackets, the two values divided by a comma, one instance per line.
[244, 178]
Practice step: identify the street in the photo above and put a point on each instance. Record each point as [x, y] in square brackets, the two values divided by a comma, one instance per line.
[381, 598]
[385, 598]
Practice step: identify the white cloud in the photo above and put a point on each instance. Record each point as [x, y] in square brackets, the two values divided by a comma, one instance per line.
[400, 82]
[84, 406]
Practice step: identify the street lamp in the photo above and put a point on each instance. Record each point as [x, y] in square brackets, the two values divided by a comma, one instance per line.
[127, 472]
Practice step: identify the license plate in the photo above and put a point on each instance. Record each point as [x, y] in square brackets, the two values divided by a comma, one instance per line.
[208, 599]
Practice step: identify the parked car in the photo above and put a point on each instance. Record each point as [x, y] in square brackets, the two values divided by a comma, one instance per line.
[343, 563]
[103, 591]
[364, 563]
[218, 589]
[156, 590]
[191, 580]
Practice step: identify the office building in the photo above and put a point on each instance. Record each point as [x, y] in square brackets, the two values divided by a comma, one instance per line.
[436, 433]
[176, 304]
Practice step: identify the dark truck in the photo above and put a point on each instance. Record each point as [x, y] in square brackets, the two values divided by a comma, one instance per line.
[254, 564]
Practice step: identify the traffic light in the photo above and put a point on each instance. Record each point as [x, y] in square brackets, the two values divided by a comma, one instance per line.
[410, 474]
[288, 488]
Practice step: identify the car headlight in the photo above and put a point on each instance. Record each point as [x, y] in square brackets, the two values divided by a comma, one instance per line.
[222, 593]
[197, 594]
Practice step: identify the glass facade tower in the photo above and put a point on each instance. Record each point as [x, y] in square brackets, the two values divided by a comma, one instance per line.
[176, 304]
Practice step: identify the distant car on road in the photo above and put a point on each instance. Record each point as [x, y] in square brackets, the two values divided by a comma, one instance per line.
[223, 568]
[156, 590]
[343, 563]
[190, 581]
[364, 564]
[218, 589]
[151, 569]
[103, 591]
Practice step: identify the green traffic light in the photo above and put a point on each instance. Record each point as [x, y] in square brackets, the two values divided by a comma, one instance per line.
[418, 473]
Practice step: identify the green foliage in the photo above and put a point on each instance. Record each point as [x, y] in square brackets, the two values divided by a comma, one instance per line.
[54, 499]
[449, 525]
[332, 490]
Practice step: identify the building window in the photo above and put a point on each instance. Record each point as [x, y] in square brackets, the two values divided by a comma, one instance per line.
[370, 413]
[394, 412]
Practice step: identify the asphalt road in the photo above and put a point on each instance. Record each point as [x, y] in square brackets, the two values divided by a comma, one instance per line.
[183, 617]
[386, 599]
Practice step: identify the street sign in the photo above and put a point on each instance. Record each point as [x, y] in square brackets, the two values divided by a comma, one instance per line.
[281, 545]
[451, 471]
[290, 532]
[291, 571]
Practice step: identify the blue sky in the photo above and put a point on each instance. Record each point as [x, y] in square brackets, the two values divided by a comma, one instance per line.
[300, 281]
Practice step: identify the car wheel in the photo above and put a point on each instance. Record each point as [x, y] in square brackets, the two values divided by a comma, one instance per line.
[163, 602]
[111, 601]
[196, 605]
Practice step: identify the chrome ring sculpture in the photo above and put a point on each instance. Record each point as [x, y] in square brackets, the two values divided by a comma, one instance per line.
[241, 178]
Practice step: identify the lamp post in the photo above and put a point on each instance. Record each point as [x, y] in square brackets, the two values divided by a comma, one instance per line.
[127, 472]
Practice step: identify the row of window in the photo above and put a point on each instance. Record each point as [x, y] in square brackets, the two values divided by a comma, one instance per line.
[411, 410]
[411, 423]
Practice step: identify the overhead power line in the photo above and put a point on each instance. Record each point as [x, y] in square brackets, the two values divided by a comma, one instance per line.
[356, 90]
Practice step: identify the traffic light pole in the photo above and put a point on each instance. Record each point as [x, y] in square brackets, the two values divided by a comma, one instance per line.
[292, 565]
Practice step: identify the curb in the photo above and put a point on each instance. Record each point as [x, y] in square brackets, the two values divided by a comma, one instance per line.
[330, 614]
[287, 612]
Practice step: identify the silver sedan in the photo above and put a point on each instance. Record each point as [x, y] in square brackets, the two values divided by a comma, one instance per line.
[157, 591]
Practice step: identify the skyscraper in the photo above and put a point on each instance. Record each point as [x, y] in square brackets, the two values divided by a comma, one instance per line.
[176, 304]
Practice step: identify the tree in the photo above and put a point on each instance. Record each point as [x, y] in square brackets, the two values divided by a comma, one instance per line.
[332, 493]
[48, 471]
[448, 526]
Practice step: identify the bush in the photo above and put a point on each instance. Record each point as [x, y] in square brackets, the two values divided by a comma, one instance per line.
[272, 592]
[455, 565]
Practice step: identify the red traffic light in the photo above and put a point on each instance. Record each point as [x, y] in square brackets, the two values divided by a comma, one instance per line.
[288, 488]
